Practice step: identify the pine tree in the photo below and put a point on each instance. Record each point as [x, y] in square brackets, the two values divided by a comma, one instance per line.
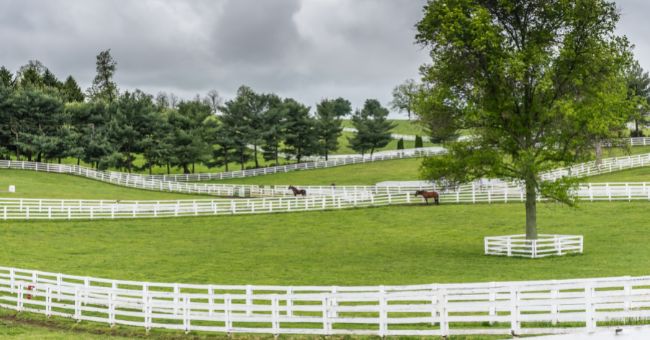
[418, 141]
[373, 128]
[300, 139]
[400, 144]
[329, 114]
[70, 91]
[103, 87]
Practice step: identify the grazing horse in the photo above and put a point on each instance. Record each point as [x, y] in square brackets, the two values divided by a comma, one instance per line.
[297, 191]
[429, 194]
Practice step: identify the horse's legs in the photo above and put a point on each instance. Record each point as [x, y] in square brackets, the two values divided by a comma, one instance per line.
[437, 201]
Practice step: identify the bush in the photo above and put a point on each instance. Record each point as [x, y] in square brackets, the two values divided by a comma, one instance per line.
[634, 133]
[418, 141]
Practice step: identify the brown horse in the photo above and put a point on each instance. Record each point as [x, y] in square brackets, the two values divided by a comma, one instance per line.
[429, 194]
[297, 191]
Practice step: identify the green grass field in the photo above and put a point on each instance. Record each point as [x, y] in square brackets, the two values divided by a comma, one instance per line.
[630, 175]
[403, 127]
[356, 174]
[390, 245]
[30, 184]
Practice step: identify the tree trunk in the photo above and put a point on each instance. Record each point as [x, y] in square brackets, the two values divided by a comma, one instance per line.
[326, 154]
[78, 161]
[241, 159]
[192, 167]
[186, 170]
[168, 172]
[255, 152]
[599, 152]
[531, 210]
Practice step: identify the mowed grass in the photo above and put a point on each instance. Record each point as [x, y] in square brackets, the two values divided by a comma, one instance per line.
[388, 245]
[355, 174]
[402, 127]
[345, 149]
[630, 175]
[31, 184]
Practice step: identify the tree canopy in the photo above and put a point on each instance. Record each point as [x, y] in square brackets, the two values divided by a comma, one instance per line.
[536, 82]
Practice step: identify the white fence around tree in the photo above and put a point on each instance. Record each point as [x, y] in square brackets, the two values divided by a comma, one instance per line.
[527, 307]
[545, 245]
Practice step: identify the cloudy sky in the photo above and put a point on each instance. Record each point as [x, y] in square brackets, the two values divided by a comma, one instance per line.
[306, 49]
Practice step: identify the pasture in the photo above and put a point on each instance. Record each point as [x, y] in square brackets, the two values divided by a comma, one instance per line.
[373, 246]
[391, 245]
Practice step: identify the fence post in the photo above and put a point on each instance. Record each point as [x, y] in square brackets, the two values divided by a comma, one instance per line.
[493, 308]
[327, 326]
[555, 293]
[275, 315]
[442, 312]
[514, 311]
[249, 300]
[589, 308]
[383, 313]
[227, 301]
[48, 301]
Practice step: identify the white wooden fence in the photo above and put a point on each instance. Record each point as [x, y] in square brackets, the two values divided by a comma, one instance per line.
[56, 209]
[150, 183]
[336, 160]
[529, 307]
[545, 245]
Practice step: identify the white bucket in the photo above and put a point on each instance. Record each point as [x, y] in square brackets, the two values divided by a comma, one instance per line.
[12, 188]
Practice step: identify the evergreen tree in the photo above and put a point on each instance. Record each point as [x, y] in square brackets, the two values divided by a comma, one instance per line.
[373, 128]
[300, 137]
[70, 91]
[418, 141]
[329, 115]
[274, 123]
[189, 135]
[51, 81]
[6, 78]
[400, 144]
[236, 120]
[34, 121]
[103, 87]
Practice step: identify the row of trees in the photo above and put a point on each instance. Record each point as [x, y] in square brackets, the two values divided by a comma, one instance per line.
[42, 118]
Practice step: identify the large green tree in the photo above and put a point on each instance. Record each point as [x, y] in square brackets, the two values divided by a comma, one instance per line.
[300, 138]
[373, 128]
[404, 96]
[535, 81]
[103, 87]
[329, 115]
[638, 82]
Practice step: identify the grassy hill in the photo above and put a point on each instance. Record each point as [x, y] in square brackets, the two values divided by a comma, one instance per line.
[30, 184]
[390, 245]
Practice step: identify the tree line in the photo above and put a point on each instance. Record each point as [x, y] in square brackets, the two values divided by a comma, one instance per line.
[45, 119]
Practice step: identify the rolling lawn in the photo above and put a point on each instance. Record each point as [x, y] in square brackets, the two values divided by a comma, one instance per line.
[389, 245]
[355, 174]
[31, 184]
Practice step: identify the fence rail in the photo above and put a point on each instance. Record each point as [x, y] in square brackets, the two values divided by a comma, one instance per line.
[58, 209]
[545, 245]
[527, 307]
[235, 190]
[54, 209]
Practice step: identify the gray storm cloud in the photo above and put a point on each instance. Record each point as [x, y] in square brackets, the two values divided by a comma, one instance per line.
[306, 49]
